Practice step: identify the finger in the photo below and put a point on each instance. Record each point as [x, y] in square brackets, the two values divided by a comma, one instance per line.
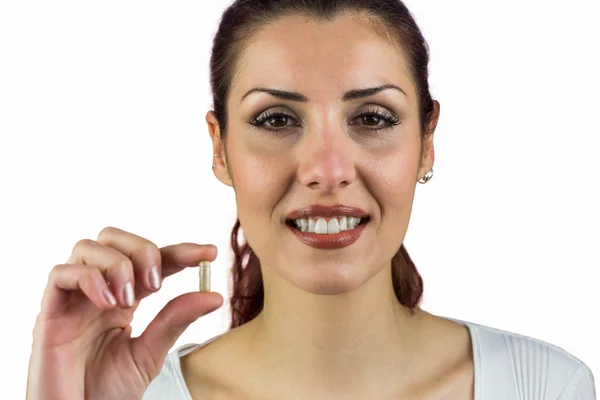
[115, 266]
[150, 349]
[144, 255]
[66, 278]
[179, 256]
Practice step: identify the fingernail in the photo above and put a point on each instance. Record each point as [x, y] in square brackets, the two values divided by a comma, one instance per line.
[128, 294]
[154, 279]
[108, 296]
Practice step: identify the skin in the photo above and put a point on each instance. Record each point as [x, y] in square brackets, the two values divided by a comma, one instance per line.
[82, 345]
[331, 323]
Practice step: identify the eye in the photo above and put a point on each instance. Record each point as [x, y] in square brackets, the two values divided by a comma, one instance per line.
[277, 120]
[372, 118]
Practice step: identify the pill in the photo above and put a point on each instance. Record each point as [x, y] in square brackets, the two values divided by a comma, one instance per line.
[204, 267]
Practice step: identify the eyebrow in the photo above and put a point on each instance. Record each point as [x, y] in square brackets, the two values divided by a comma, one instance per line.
[350, 95]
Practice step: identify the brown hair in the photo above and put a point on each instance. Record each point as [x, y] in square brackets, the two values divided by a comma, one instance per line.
[239, 23]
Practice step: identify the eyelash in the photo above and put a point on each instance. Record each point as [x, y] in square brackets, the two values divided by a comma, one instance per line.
[389, 118]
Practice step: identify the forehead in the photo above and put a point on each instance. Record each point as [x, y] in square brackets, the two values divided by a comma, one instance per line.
[320, 59]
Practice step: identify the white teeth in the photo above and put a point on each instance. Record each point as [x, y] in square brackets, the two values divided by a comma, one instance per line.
[343, 223]
[322, 227]
[303, 224]
[333, 226]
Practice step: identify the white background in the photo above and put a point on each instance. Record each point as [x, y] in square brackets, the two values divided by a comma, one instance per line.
[102, 109]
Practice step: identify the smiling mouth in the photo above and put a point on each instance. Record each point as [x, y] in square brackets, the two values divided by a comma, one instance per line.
[327, 225]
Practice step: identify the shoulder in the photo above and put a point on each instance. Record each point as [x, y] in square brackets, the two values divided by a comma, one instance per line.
[169, 383]
[530, 365]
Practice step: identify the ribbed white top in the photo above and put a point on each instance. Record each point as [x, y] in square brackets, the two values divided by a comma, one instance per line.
[507, 366]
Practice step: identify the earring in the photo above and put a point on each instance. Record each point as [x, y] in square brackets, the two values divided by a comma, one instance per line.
[216, 155]
[427, 177]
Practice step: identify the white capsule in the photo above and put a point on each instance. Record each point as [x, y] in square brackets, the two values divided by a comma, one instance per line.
[204, 275]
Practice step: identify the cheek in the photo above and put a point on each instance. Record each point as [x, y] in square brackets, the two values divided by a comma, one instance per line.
[260, 183]
[394, 181]
[397, 177]
[256, 182]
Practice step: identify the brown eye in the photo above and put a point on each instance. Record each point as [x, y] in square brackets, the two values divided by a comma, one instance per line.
[273, 121]
[278, 121]
[370, 120]
[377, 120]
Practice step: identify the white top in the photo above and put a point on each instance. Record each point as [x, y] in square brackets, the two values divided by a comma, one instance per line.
[507, 366]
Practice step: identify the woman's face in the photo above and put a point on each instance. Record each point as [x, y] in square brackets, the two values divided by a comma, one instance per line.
[320, 150]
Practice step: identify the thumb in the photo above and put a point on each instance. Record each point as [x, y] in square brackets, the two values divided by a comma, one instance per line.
[150, 349]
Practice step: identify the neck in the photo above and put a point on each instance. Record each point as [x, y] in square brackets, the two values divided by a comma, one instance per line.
[339, 342]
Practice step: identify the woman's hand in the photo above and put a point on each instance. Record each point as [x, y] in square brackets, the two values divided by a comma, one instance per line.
[82, 344]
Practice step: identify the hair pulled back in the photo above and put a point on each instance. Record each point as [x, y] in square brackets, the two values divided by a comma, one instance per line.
[239, 23]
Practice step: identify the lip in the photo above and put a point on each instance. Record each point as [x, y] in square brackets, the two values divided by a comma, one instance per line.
[329, 242]
[322, 210]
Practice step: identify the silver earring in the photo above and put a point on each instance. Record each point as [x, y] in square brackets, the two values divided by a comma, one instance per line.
[216, 155]
[427, 177]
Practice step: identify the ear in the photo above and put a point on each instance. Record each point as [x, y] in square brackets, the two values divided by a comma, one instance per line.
[428, 150]
[221, 169]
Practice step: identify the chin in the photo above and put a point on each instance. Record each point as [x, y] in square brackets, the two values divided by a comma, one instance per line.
[323, 279]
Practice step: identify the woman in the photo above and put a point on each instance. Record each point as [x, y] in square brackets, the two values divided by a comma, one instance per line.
[323, 124]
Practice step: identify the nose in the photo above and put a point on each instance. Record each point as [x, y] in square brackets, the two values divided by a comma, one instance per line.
[326, 162]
